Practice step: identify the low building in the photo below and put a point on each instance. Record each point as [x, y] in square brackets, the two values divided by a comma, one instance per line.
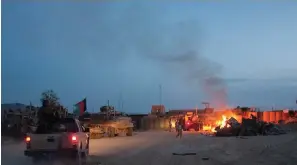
[158, 110]
[136, 119]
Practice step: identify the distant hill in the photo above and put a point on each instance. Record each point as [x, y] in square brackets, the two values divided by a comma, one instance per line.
[13, 106]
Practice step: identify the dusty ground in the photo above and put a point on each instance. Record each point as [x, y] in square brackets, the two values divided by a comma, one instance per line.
[156, 148]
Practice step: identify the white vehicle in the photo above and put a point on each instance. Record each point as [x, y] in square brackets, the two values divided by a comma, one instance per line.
[66, 137]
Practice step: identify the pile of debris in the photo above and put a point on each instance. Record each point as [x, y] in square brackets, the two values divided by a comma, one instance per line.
[248, 127]
[291, 120]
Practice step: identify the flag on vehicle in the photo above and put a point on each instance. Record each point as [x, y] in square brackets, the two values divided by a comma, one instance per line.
[80, 107]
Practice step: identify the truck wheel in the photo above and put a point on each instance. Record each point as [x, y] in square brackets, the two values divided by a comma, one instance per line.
[87, 148]
[83, 158]
[129, 131]
[84, 155]
[79, 156]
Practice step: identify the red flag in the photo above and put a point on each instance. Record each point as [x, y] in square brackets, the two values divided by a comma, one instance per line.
[81, 107]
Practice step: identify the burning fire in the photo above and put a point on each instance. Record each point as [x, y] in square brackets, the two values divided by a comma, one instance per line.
[207, 127]
[220, 123]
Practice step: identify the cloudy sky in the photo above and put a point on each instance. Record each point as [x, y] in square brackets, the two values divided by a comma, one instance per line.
[235, 53]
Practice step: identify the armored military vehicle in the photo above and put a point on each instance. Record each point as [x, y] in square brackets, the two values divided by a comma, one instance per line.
[109, 122]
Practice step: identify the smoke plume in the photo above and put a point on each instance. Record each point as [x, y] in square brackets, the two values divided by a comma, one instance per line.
[172, 43]
[203, 72]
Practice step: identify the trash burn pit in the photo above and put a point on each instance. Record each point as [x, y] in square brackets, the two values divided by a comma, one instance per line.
[227, 123]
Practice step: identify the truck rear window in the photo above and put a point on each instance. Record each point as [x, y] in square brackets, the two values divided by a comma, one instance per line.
[63, 125]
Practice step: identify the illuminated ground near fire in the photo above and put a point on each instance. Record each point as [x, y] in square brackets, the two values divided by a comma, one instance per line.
[156, 148]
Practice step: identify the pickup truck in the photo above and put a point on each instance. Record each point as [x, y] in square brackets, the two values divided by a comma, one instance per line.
[65, 137]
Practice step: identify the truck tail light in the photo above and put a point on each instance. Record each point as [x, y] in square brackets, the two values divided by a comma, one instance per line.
[28, 142]
[74, 139]
[28, 139]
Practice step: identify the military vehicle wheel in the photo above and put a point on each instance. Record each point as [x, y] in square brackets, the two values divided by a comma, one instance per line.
[92, 136]
[129, 131]
[100, 135]
[97, 136]
[111, 132]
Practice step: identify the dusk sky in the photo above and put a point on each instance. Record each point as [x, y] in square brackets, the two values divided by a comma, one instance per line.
[233, 53]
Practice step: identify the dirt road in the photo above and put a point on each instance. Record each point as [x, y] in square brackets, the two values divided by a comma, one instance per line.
[157, 148]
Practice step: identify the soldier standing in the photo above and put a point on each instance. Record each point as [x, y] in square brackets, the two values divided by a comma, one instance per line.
[176, 125]
[47, 115]
[170, 125]
[179, 130]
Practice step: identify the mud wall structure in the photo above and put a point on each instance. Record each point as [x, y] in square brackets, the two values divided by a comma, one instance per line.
[152, 122]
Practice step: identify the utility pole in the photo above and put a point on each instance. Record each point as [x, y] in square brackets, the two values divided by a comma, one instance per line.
[160, 106]
[120, 102]
[196, 111]
[160, 86]
[108, 112]
[114, 113]
[65, 112]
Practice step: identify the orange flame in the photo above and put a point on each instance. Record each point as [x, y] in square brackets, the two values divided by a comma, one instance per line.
[220, 123]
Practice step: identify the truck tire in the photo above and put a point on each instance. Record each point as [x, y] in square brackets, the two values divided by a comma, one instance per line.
[129, 131]
[84, 154]
[87, 147]
[79, 156]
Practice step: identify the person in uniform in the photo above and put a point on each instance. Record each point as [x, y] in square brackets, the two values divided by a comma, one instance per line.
[47, 115]
[179, 130]
[176, 125]
[170, 125]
